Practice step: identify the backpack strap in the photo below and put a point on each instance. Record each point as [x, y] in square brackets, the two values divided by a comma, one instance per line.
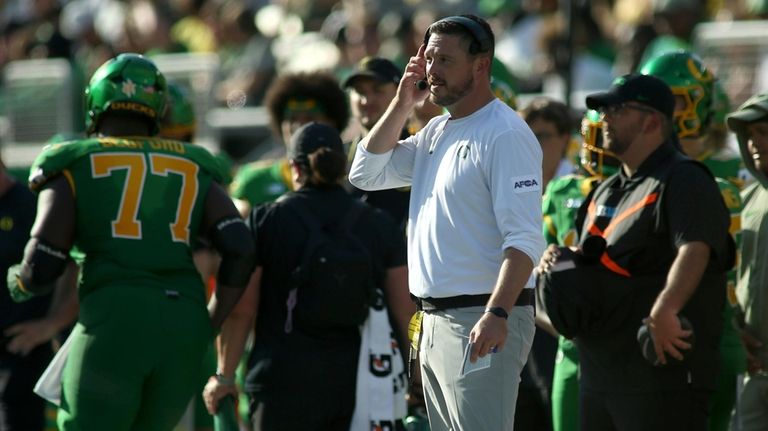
[300, 207]
[352, 215]
[305, 213]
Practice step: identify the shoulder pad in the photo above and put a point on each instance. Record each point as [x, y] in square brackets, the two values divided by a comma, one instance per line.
[730, 192]
[55, 158]
[198, 154]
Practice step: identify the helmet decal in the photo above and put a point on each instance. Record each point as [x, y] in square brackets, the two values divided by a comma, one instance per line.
[127, 83]
[698, 71]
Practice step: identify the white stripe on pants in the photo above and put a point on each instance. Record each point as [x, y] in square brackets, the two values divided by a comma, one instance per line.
[482, 400]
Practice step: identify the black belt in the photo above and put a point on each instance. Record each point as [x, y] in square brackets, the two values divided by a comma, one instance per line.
[526, 297]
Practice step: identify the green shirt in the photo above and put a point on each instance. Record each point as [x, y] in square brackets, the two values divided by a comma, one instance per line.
[139, 205]
[753, 265]
[726, 168]
[261, 181]
[560, 204]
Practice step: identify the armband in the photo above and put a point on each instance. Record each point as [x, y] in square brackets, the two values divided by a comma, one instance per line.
[232, 239]
[42, 266]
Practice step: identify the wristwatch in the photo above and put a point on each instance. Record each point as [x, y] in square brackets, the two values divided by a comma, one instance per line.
[226, 381]
[497, 311]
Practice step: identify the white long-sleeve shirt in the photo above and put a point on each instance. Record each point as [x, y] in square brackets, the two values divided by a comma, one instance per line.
[475, 191]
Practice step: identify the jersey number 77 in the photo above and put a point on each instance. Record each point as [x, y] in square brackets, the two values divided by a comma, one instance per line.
[126, 224]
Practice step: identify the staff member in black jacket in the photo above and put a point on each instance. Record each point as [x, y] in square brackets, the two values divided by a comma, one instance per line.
[668, 250]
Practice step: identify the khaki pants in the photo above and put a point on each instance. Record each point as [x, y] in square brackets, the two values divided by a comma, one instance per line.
[481, 400]
[752, 411]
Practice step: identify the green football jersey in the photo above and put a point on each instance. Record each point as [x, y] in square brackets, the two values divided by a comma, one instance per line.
[725, 165]
[139, 206]
[560, 204]
[730, 340]
[261, 181]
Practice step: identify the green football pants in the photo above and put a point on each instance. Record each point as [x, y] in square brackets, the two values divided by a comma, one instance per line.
[565, 387]
[733, 362]
[135, 360]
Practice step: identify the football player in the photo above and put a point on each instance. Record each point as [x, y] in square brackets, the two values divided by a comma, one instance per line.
[133, 204]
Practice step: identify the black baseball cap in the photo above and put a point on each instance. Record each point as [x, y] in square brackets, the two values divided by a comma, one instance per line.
[377, 68]
[645, 89]
[310, 138]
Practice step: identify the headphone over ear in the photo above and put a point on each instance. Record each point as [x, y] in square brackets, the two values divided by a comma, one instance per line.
[482, 40]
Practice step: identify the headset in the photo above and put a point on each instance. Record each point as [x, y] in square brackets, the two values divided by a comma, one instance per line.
[482, 39]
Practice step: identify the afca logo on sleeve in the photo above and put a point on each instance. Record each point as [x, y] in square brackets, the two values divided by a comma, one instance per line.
[525, 184]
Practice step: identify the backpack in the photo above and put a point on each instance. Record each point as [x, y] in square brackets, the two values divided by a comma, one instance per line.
[334, 284]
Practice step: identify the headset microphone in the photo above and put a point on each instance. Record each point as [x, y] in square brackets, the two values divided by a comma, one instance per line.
[422, 85]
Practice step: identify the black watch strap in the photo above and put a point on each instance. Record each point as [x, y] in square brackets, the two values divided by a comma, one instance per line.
[497, 311]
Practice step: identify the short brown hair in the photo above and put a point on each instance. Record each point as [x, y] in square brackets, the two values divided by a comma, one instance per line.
[549, 110]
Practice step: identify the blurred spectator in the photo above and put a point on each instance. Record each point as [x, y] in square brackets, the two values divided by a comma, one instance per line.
[673, 21]
[560, 205]
[756, 9]
[292, 101]
[26, 329]
[581, 42]
[179, 121]
[247, 63]
[551, 122]
[503, 83]
[193, 28]
[372, 86]
[750, 123]
[148, 28]
[518, 45]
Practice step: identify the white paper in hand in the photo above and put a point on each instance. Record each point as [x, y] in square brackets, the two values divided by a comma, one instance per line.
[468, 367]
[49, 384]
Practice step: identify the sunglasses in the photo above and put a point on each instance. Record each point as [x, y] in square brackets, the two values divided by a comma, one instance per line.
[614, 110]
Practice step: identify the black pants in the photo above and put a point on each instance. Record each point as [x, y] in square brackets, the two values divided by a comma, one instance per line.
[659, 411]
[310, 385]
[534, 408]
[20, 408]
